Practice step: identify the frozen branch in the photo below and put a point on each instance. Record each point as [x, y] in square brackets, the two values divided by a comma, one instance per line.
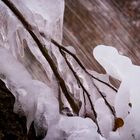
[37, 38]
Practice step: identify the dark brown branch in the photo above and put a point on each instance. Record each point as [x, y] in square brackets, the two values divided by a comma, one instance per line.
[106, 102]
[61, 48]
[44, 51]
[78, 80]
[84, 96]
[80, 64]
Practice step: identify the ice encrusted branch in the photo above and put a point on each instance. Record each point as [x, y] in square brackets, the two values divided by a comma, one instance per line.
[31, 33]
[34, 32]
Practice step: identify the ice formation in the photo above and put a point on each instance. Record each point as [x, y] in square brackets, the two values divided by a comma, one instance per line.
[38, 103]
[127, 99]
[34, 99]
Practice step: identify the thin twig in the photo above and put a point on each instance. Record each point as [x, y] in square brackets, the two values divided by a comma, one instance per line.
[61, 48]
[106, 102]
[80, 64]
[84, 89]
[84, 96]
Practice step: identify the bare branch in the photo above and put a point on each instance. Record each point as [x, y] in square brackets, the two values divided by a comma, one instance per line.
[84, 89]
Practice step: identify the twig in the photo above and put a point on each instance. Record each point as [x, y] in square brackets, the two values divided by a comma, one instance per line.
[106, 102]
[78, 61]
[84, 96]
[84, 89]
[80, 64]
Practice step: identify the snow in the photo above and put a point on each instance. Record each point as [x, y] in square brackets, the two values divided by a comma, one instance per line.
[38, 103]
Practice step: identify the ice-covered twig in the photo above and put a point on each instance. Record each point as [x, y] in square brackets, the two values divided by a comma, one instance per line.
[84, 89]
[38, 103]
[61, 47]
[37, 38]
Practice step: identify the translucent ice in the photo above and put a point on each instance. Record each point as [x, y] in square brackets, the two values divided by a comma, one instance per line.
[34, 99]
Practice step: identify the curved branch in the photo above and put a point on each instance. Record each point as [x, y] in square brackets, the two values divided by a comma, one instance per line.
[84, 89]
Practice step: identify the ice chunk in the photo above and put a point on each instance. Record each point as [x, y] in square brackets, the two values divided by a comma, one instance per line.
[73, 128]
[46, 19]
[52, 12]
[127, 99]
[114, 64]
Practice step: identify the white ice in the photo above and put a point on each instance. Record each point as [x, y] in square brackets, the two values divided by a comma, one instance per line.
[127, 102]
